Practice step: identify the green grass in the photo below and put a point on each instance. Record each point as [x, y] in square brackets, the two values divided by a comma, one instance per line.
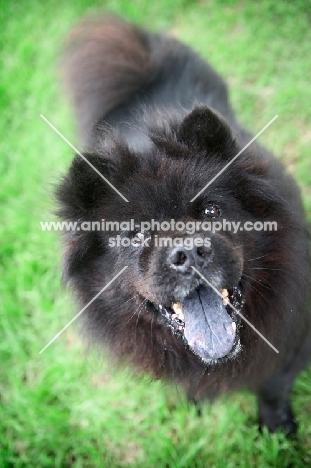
[67, 407]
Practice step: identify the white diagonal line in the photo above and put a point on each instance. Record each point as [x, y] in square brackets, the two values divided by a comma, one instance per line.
[233, 159]
[146, 240]
[83, 157]
[236, 311]
[82, 310]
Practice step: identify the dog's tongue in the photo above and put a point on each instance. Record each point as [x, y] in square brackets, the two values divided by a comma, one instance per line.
[208, 327]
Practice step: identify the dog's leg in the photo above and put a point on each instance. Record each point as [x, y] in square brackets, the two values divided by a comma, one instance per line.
[273, 397]
[274, 408]
[197, 404]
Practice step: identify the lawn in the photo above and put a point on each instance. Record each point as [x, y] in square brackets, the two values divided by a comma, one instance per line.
[67, 407]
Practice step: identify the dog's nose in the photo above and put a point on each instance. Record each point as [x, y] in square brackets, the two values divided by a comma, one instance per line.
[182, 259]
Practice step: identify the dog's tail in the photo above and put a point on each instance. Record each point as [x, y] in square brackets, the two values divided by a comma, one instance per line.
[105, 61]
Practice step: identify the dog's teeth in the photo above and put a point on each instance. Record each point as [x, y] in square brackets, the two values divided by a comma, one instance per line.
[224, 292]
[177, 308]
[234, 327]
[225, 296]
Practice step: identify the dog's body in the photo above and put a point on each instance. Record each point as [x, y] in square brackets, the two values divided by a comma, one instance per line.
[157, 124]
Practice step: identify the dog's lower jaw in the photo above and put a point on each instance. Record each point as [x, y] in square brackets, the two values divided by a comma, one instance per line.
[221, 321]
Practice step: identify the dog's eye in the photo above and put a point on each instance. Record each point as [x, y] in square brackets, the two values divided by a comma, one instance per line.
[212, 211]
[141, 237]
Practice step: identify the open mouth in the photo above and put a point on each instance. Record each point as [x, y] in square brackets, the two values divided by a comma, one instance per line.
[205, 321]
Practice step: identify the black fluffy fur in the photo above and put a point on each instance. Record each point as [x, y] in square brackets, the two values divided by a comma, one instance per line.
[156, 122]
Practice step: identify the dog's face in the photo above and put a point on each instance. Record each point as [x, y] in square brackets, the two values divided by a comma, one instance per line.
[167, 269]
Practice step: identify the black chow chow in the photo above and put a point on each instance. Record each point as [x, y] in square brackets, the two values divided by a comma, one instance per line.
[155, 121]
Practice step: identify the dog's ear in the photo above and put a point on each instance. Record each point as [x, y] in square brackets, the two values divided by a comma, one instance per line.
[91, 180]
[206, 129]
[83, 188]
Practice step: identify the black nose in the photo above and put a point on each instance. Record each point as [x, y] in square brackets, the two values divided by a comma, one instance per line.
[182, 259]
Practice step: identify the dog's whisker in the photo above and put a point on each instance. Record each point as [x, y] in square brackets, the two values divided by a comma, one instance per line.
[134, 313]
[253, 287]
[267, 286]
[138, 311]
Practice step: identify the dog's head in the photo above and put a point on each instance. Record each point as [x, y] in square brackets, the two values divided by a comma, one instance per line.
[185, 253]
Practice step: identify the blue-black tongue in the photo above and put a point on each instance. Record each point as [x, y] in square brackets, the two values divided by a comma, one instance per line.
[208, 326]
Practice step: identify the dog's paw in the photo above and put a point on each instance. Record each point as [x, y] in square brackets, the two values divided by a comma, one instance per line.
[276, 418]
